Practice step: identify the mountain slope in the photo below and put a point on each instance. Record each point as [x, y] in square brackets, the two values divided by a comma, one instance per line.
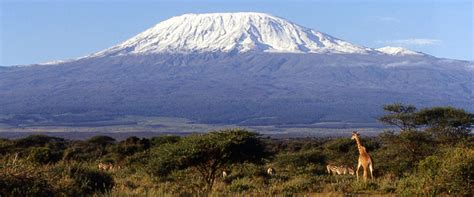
[216, 81]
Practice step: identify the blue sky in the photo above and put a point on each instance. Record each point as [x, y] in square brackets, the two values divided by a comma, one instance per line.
[39, 31]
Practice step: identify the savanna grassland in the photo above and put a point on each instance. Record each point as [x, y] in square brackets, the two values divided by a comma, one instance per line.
[430, 153]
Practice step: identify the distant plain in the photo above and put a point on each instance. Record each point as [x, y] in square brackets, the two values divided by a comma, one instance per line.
[141, 126]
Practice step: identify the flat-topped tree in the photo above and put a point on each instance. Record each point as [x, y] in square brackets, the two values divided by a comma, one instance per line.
[400, 115]
[446, 124]
[208, 154]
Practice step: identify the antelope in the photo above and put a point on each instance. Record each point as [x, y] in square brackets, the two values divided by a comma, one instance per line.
[351, 171]
[225, 173]
[332, 169]
[105, 166]
[339, 170]
[271, 171]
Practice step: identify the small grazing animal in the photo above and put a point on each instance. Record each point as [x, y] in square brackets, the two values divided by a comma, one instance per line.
[343, 170]
[339, 170]
[105, 166]
[332, 169]
[347, 170]
[351, 171]
[271, 171]
[225, 173]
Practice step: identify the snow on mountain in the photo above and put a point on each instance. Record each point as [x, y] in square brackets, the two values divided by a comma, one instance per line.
[397, 51]
[231, 32]
[286, 79]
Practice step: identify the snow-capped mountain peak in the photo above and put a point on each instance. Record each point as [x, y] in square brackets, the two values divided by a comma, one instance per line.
[231, 32]
[397, 51]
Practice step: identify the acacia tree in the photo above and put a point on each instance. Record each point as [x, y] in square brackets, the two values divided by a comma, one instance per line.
[402, 116]
[447, 124]
[209, 153]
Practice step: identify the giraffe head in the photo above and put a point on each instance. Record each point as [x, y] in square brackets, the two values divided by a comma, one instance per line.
[354, 135]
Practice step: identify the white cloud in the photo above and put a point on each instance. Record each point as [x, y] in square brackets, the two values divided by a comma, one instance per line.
[411, 42]
[388, 19]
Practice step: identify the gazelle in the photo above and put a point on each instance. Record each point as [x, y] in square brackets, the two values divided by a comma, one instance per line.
[271, 171]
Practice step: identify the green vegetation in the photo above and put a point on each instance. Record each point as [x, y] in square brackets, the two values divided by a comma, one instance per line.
[433, 154]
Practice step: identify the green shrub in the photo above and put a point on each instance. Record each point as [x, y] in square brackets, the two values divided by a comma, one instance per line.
[333, 183]
[241, 185]
[160, 140]
[302, 161]
[82, 151]
[400, 153]
[6, 146]
[101, 140]
[298, 184]
[248, 170]
[89, 181]
[24, 185]
[20, 177]
[42, 155]
[364, 186]
[448, 173]
[387, 183]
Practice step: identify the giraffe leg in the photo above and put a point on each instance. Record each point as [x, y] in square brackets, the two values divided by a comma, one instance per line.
[366, 173]
[357, 171]
[371, 168]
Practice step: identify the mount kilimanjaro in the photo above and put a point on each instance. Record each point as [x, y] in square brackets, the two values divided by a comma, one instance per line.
[236, 68]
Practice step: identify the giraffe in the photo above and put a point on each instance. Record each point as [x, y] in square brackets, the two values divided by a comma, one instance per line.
[364, 158]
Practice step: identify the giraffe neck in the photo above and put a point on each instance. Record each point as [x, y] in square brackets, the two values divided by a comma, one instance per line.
[359, 145]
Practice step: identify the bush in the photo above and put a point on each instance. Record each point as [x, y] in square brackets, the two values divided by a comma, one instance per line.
[5, 146]
[18, 177]
[101, 140]
[241, 185]
[82, 151]
[24, 185]
[298, 184]
[21, 177]
[132, 145]
[400, 153]
[160, 140]
[43, 155]
[89, 181]
[249, 170]
[448, 173]
[364, 186]
[304, 161]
